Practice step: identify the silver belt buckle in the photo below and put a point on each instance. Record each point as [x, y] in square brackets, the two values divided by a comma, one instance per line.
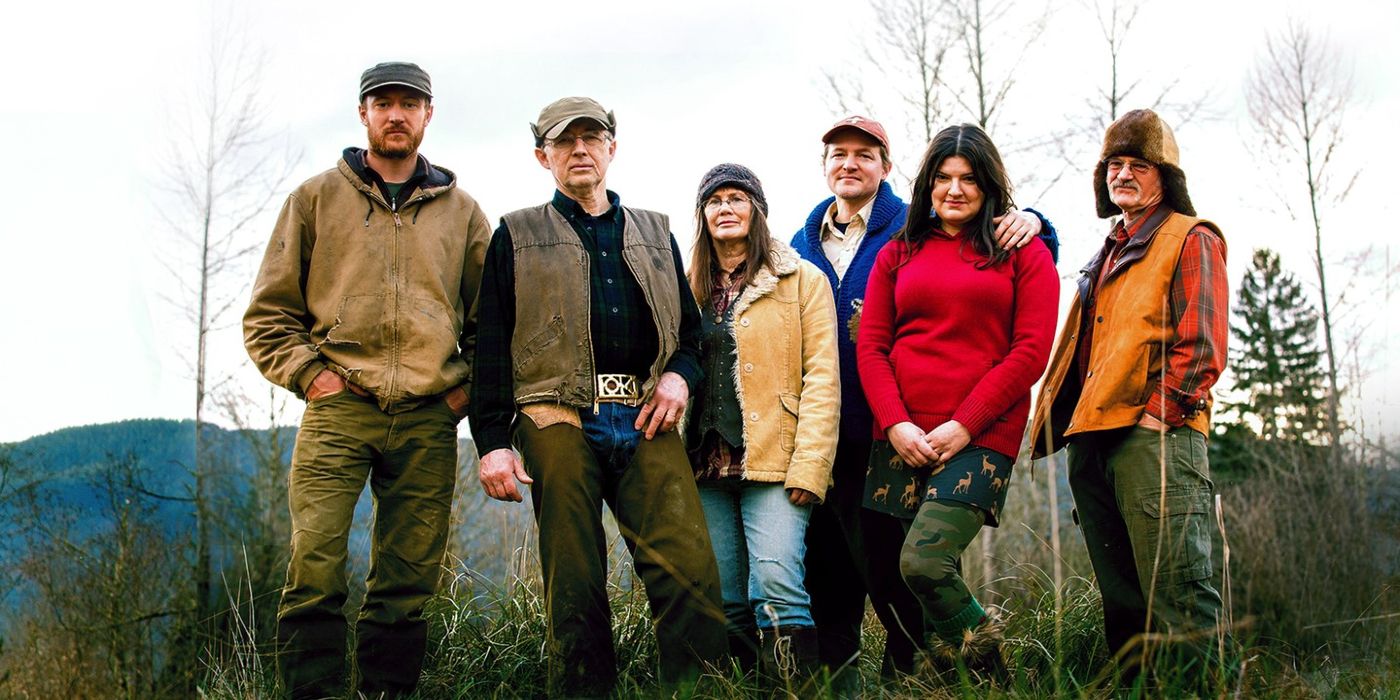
[616, 388]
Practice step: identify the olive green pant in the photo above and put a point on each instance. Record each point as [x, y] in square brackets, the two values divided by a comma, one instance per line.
[410, 461]
[657, 507]
[1141, 549]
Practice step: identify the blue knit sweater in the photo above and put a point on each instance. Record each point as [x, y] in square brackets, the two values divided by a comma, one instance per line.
[886, 218]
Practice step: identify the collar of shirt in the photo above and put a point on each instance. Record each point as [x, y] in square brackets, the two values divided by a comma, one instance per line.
[829, 229]
[723, 277]
[725, 286]
[1123, 231]
[572, 210]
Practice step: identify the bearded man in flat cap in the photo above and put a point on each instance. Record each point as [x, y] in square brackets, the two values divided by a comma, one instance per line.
[363, 306]
[1129, 392]
[589, 348]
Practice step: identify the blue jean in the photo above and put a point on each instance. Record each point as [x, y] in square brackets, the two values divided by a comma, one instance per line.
[759, 538]
[612, 435]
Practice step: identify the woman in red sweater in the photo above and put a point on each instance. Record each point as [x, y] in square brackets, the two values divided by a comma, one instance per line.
[954, 332]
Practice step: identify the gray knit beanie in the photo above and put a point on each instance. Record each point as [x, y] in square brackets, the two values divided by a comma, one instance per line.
[731, 175]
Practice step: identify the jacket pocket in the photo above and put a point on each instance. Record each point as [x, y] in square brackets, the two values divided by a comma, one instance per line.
[787, 433]
[1182, 553]
[1148, 359]
[359, 323]
[538, 343]
[427, 339]
[1119, 381]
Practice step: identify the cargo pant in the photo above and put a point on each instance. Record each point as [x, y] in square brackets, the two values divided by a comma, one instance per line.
[651, 490]
[1134, 541]
[410, 461]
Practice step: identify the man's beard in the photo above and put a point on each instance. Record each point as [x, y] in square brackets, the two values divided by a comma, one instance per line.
[379, 145]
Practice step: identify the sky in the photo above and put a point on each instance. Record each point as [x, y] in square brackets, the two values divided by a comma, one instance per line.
[90, 299]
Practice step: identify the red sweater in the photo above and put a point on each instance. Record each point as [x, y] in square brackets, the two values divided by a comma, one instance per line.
[942, 340]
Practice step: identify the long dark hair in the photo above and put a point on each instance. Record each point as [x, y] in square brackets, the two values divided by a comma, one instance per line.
[972, 143]
[702, 254]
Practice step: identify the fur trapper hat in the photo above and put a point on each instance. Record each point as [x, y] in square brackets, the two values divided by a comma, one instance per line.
[1142, 134]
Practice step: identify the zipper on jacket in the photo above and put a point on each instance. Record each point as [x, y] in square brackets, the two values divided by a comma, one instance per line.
[398, 292]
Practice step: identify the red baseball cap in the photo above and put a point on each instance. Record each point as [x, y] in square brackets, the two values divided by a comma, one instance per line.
[865, 124]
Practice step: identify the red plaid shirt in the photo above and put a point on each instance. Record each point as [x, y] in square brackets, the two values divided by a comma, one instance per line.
[1200, 297]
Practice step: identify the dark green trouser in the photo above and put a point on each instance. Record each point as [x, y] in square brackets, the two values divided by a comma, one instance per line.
[410, 460]
[658, 511]
[1133, 541]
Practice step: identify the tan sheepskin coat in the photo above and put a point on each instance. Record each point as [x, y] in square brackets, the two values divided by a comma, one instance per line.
[787, 376]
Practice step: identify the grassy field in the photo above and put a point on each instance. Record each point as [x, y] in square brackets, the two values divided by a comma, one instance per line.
[1308, 578]
[491, 644]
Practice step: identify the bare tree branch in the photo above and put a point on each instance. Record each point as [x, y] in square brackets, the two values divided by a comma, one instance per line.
[1298, 94]
[225, 174]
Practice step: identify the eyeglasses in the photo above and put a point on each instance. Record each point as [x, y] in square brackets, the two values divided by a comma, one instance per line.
[591, 139]
[733, 201]
[1138, 167]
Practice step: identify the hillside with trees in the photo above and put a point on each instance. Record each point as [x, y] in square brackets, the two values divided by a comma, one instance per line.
[144, 558]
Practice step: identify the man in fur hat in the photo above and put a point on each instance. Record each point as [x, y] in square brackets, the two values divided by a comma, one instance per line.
[1128, 391]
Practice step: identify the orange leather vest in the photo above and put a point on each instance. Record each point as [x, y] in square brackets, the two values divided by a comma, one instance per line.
[1133, 331]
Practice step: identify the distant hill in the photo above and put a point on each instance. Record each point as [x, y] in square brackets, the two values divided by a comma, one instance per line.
[152, 440]
[485, 532]
[164, 448]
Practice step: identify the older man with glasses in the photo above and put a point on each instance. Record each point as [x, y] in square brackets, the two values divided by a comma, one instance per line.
[588, 349]
[1129, 392]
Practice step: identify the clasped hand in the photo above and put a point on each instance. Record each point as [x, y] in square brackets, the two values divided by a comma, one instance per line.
[920, 449]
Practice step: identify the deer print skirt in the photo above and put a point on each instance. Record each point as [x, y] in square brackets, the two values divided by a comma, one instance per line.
[976, 476]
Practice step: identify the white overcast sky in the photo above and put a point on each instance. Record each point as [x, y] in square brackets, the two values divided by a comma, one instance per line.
[90, 334]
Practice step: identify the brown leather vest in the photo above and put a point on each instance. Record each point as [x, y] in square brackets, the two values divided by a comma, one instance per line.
[1133, 330]
[551, 349]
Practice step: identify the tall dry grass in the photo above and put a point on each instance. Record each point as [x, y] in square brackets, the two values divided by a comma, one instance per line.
[1304, 570]
[1314, 562]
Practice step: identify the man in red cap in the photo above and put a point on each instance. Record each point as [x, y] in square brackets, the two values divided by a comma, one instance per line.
[842, 236]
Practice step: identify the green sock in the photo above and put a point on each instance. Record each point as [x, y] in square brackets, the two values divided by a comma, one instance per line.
[952, 628]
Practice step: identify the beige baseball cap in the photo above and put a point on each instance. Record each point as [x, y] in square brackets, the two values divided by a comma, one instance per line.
[559, 114]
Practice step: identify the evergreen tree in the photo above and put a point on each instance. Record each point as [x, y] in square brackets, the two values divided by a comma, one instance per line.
[1276, 360]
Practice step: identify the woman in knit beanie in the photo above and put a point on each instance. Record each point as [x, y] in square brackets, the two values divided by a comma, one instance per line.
[762, 429]
[955, 330]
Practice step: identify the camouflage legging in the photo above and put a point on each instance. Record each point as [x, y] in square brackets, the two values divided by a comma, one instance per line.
[931, 562]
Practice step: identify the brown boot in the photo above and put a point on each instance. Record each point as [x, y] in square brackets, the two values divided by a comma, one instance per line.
[978, 651]
[788, 657]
